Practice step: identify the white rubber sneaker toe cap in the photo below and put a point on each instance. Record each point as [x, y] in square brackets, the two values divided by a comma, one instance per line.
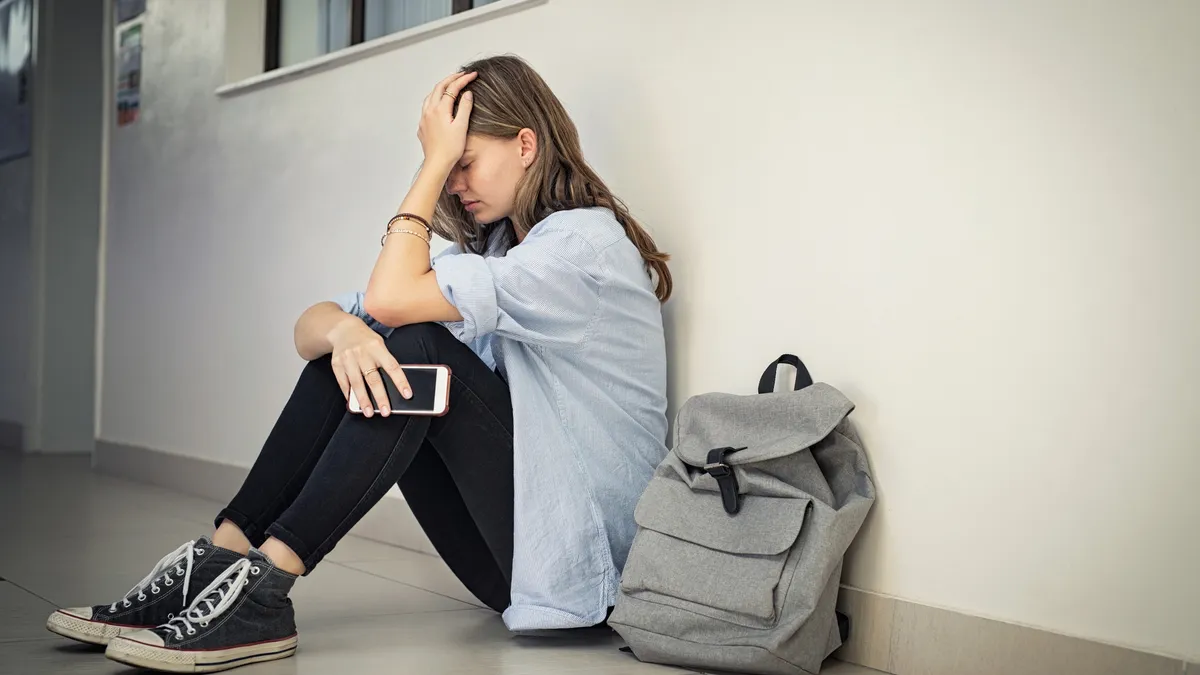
[76, 623]
[146, 637]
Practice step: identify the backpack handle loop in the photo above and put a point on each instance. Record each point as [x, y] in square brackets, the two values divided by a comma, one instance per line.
[766, 384]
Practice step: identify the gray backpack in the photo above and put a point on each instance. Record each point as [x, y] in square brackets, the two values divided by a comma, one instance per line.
[741, 532]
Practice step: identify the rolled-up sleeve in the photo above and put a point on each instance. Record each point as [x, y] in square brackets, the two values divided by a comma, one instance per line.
[352, 303]
[544, 291]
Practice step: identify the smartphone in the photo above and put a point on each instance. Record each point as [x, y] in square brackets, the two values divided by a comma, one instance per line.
[430, 392]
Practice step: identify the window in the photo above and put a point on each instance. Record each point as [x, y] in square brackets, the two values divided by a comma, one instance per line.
[300, 30]
[16, 71]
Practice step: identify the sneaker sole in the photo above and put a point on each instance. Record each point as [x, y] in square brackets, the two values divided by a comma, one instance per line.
[141, 655]
[85, 630]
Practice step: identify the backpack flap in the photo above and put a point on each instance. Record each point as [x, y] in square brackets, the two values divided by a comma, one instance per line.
[767, 426]
[767, 526]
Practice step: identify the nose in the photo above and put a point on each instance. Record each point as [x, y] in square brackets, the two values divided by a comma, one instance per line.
[455, 183]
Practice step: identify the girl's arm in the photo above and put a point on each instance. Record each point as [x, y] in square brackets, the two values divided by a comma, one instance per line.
[403, 288]
[315, 327]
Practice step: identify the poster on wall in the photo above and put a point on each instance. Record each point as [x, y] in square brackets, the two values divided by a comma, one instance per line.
[129, 72]
[16, 78]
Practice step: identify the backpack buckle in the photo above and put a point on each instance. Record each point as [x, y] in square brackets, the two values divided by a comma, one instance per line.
[719, 470]
[726, 479]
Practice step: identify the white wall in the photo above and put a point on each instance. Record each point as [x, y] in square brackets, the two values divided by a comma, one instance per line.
[977, 219]
[16, 184]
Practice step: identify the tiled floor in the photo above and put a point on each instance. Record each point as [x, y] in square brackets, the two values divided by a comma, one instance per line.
[71, 537]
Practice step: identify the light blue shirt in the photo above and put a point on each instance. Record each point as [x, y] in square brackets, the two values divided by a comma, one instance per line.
[570, 319]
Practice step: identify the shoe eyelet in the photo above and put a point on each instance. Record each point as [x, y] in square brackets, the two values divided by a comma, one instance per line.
[199, 551]
[141, 597]
[170, 615]
[155, 591]
[126, 603]
[191, 631]
[169, 581]
[204, 624]
[254, 569]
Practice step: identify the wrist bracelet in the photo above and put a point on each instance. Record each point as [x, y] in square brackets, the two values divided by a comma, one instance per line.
[418, 235]
[414, 218]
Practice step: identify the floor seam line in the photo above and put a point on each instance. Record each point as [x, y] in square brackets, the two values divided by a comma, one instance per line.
[36, 595]
[379, 576]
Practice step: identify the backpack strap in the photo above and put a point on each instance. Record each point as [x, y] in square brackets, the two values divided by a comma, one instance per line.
[766, 384]
[716, 467]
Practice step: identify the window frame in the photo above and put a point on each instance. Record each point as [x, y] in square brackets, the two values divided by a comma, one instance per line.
[358, 11]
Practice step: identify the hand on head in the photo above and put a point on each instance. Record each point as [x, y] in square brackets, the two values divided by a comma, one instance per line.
[443, 134]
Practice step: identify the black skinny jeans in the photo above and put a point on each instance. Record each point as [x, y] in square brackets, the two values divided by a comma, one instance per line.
[323, 468]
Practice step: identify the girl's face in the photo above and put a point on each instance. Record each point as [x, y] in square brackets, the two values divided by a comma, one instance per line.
[486, 176]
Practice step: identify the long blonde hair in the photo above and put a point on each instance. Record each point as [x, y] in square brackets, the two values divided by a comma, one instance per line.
[508, 96]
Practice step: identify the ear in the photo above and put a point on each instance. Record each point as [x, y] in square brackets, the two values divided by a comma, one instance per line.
[529, 146]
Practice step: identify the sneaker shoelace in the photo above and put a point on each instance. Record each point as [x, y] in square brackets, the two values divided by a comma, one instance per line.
[213, 601]
[177, 559]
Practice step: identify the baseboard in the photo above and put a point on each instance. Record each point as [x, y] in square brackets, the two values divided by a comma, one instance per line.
[12, 435]
[390, 522]
[906, 638]
[887, 634]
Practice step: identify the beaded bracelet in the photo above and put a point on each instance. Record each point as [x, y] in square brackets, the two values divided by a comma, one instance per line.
[418, 235]
[414, 218]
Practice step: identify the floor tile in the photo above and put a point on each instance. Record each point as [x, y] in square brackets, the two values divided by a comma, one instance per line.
[54, 656]
[177, 504]
[451, 643]
[91, 567]
[60, 496]
[420, 570]
[353, 549]
[93, 520]
[22, 614]
[333, 593]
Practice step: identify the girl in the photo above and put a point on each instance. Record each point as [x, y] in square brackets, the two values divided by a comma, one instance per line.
[547, 309]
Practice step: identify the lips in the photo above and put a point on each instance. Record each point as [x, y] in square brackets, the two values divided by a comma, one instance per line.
[470, 205]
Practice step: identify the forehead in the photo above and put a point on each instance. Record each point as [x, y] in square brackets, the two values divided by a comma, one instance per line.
[480, 144]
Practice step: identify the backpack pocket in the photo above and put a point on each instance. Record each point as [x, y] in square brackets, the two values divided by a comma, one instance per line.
[690, 549]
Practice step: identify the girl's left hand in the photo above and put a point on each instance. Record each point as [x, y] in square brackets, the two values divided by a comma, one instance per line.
[443, 135]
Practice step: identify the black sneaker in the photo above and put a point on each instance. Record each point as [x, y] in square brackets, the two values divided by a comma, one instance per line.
[166, 591]
[243, 617]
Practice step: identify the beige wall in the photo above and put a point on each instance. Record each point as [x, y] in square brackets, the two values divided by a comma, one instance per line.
[977, 219]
